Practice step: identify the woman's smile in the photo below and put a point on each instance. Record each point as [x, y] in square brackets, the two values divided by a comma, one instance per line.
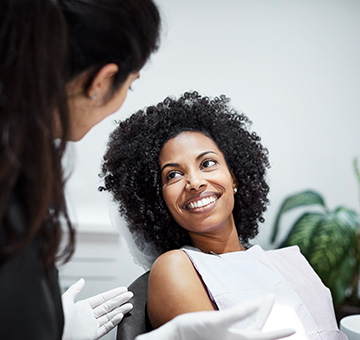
[205, 202]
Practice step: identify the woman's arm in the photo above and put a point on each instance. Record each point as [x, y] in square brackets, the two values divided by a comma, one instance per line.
[175, 288]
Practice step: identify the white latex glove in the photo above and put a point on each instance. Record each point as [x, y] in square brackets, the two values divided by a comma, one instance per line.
[92, 318]
[216, 325]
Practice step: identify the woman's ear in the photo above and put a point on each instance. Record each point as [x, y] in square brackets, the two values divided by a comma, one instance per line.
[101, 85]
[234, 185]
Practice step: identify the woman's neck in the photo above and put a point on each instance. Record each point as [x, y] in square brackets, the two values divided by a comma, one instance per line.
[224, 242]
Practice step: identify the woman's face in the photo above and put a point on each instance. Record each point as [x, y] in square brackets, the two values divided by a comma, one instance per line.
[197, 185]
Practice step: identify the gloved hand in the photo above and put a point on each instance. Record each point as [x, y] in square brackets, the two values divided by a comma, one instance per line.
[215, 325]
[92, 318]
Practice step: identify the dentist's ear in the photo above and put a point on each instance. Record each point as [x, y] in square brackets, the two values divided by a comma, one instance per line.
[100, 87]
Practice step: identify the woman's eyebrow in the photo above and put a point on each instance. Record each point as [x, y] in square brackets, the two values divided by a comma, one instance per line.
[177, 164]
[205, 153]
[169, 164]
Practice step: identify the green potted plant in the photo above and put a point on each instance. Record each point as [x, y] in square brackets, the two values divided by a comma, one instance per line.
[330, 241]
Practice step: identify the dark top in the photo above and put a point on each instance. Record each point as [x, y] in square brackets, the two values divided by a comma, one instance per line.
[30, 299]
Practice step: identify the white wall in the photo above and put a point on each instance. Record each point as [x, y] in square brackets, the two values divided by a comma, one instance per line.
[291, 65]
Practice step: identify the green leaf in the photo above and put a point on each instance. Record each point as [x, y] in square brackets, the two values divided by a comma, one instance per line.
[348, 216]
[302, 231]
[330, 243]
[301, 199]
[339, 278]
[332, 250]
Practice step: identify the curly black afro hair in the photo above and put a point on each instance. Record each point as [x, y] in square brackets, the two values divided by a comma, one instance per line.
[132, 174]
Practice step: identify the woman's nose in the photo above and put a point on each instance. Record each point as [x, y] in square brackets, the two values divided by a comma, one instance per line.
[195, 182]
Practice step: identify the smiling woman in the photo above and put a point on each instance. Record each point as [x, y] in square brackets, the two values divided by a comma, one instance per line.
[137, 143]
[189, 174]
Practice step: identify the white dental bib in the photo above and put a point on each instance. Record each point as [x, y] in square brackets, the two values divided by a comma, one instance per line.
[302, 301]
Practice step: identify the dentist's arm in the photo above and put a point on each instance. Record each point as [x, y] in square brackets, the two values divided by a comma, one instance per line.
[217, 325]
[92, 318]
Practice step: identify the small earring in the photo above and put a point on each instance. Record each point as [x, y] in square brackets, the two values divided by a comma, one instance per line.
[93, 96]
[235, 190]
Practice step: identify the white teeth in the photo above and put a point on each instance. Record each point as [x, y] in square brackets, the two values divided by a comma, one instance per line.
[202, 203]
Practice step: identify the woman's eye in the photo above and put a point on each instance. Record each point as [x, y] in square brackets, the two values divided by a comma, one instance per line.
[208, 163]
[173, 175]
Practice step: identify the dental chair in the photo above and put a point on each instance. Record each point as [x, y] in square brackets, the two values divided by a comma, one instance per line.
[136, 322]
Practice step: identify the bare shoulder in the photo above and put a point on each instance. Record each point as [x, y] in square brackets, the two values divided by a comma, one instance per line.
[174, 288]
[170, 261]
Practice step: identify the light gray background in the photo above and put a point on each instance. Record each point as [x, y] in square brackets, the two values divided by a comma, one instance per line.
[291, 65]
